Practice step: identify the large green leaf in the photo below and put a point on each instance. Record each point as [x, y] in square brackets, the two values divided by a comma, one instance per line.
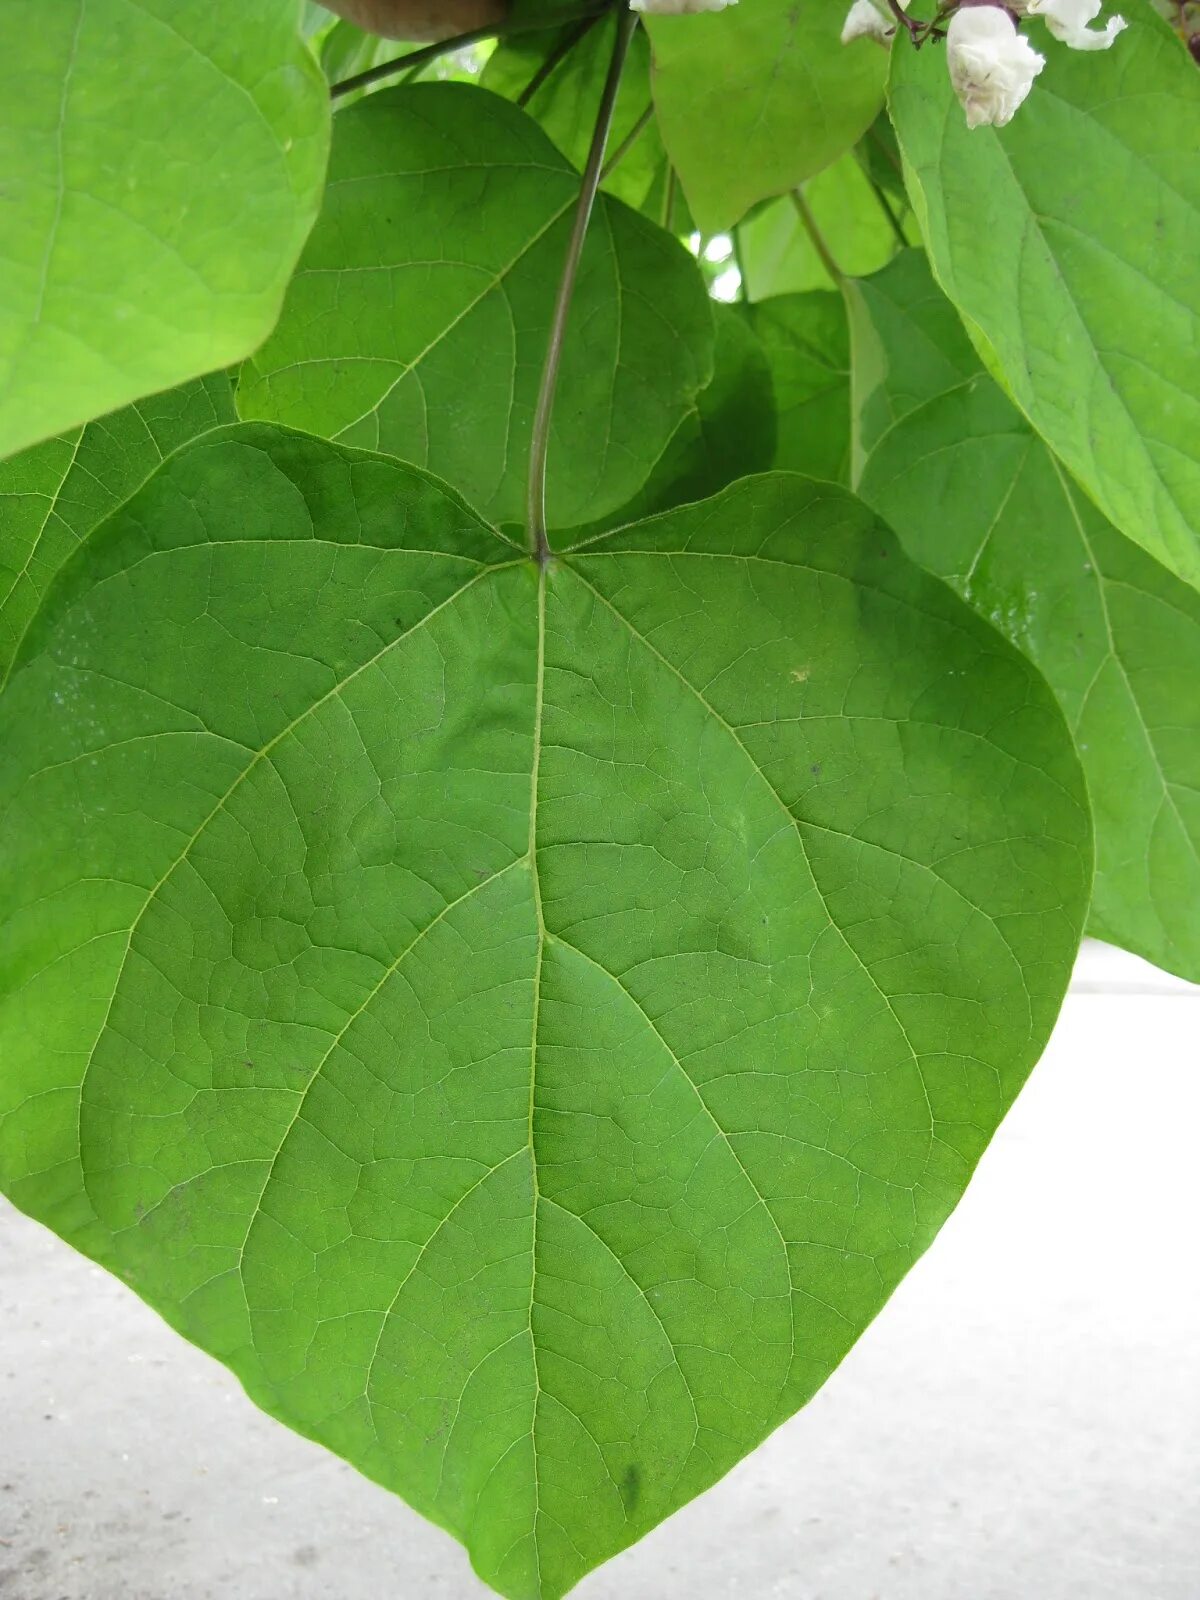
[1069, 241]
[525, 1024]
[418, 319]
[979, 499]
[162, 165]
[54, 494]
[756, 99]
[807, 347]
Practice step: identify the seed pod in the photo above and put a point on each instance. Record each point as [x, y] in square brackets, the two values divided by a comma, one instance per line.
[421, 21]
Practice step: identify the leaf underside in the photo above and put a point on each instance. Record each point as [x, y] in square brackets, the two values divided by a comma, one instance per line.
[524, 1024]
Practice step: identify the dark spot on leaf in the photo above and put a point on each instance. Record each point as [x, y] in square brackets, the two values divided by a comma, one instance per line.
[631, 1487]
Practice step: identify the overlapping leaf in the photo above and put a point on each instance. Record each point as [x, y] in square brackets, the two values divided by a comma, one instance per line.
[757, 98]
[807, 346]
[524, 1023]
[979, 499]
[162, 165]
[1069, 241]
[54, 494]
[419, 317]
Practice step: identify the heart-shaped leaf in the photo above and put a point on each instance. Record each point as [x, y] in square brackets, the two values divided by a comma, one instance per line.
[162, 164]
[1117, 636]
[1069, 242]
[53, 495]
[525, 1023]
[418, 319]
[753, 101]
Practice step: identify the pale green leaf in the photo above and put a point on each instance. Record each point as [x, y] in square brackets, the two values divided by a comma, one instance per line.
[54, 494]
[755, 99]
[162, 164]
[777, 254]
[1069, 240]
[525, 1024]
[419, 317]
[807, 346]
[979, 499]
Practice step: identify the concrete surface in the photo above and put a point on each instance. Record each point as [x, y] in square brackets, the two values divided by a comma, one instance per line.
[1022, 1423]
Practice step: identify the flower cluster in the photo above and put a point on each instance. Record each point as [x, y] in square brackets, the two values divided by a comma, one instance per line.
[992, 65]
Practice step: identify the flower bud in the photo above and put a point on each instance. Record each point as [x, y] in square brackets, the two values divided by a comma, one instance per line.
[992, 66]
[1068, 20]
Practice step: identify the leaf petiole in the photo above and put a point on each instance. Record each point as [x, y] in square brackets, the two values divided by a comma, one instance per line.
[539, 445]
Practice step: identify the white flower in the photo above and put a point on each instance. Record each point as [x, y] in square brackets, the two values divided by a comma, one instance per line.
[1068, 20]
[991, 66]
[678, 8]
[868, 20]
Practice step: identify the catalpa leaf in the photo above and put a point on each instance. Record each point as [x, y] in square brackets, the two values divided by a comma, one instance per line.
[1116, 635]
[525, 1023]
[163, 162]
[54, 494]
[419, 316]
[1069, 240]
[755, 100]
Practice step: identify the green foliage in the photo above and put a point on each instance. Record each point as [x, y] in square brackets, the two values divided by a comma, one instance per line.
[1116, 635]
[536, 1020]
[53, 495]
[1069, 242]
[162, 166]
[419, 314]
[755, 99]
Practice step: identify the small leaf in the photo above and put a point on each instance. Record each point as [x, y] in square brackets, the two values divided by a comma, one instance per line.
[980, 500]
[807, 346]
[418, 319]
[53, 495]
[524, 1023]
[162, 165]
[755, 99]
[1069, 240]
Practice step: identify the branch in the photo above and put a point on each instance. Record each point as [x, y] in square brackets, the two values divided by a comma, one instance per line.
[430, 52]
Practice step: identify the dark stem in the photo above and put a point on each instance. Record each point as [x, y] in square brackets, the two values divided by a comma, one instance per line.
[818, 239]
[430, 52]
[627, 143]
[561, 50]
[539, 444]
[905, 21]
[668, 216]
